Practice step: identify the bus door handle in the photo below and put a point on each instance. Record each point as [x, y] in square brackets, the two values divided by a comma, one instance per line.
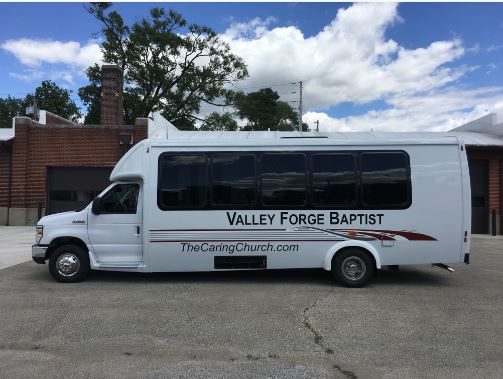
[138, 230]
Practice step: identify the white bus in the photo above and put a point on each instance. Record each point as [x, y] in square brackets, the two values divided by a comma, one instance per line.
[349, 203]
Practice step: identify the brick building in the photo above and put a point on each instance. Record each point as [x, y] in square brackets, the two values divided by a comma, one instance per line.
[484, 142]
[51, 165]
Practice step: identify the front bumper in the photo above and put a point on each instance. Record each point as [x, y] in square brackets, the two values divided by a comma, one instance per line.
[38, 253]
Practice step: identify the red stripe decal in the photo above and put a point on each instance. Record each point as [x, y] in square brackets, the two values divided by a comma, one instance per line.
[216, 230]
[411, 236]
[290, 240]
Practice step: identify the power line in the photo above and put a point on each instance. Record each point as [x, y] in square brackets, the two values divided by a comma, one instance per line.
[265, 86]
[31, 93]
[16, 93]
[307, 101]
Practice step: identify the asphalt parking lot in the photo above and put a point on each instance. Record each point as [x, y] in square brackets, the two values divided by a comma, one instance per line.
[15, 244]
[418, 322]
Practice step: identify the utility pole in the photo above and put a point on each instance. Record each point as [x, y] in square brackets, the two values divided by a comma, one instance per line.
[300, 106]
[317, 126]
[32, 109]
[35, 110]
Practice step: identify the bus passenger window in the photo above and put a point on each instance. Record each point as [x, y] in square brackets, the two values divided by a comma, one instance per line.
[333, 180]
[233, 180]
[384, 179]
[283, 179]
[182, 182]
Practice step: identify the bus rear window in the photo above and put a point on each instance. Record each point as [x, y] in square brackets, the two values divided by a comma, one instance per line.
[384, 179]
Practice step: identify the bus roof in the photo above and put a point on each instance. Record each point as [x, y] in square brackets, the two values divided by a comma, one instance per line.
[163, 133]
[269, 138]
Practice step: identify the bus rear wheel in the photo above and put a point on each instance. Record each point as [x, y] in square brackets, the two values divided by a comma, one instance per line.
[69, 264]
[352, 267]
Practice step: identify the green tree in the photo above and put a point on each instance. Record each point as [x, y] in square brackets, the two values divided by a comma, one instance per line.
[217, 121]
[259, 108]
[263, 110]
[91, 95]
[287, 118]
[10, 107]
[50, 97]
[169, 65]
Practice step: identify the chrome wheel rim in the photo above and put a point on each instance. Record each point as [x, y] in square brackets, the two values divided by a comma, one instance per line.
[67, 264]
[354, 268]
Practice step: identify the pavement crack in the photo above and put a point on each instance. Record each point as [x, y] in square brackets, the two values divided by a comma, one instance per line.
[318, 337]
[348, 374]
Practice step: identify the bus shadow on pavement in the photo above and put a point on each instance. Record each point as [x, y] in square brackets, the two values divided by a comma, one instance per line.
[404, 277]
[296, 276]
[412, 277]
[409, 276]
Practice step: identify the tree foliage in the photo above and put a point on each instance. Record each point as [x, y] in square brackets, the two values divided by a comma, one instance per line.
[49, 96]
[10, 107]
[91, 95]
[259, 108]
[169, 65]
[264, 111]
[220, 122]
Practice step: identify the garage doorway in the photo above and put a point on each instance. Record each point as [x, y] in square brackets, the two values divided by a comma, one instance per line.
[70, 188]
[479, 181]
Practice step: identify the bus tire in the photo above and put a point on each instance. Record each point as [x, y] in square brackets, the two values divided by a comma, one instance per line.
[352, 267]
[69, 264]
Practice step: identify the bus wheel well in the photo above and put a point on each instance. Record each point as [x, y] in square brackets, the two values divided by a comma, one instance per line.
[363, 250]
[60, 241]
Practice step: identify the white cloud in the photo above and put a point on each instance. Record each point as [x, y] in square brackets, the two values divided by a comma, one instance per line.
[475, 49]
[247, 30]
[491, 67]
[53, 60]
[34, 52]
[352, 60]
[349, 60]
[433, 111]
[492, 48]
[30, 75]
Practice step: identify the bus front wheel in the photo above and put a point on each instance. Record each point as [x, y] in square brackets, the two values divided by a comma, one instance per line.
[352, 267]
[69, 264]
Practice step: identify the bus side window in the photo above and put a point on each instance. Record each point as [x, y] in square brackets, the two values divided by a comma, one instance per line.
[233, 180]
[283, 177]
[333, 180]
[182, 181]
[384, 179]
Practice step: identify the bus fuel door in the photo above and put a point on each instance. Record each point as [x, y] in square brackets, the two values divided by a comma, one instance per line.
[387, 243]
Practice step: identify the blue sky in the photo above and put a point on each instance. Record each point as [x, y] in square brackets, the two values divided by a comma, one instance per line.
[378, 66]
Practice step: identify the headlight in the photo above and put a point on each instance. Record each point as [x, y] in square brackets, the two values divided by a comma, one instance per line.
[39, 232]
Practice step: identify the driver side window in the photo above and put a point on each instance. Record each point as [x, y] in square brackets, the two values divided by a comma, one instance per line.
[121, 199]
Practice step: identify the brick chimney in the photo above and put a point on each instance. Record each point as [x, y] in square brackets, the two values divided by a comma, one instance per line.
[112, 96]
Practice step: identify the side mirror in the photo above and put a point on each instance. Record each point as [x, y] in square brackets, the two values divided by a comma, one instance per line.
[96, 207]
